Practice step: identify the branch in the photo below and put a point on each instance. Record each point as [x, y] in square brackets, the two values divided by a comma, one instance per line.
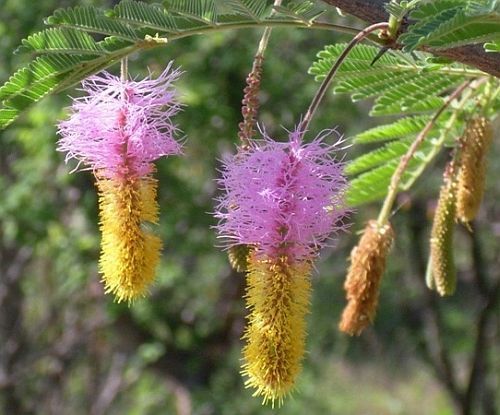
[372, 11]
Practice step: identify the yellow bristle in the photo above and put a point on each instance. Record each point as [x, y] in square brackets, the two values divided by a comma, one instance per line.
[475, 144]
[441, 255]
[129, 253]
[362, 283]
[278, 296]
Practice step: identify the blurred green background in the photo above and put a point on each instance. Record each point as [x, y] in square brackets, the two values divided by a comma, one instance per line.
[66, 348]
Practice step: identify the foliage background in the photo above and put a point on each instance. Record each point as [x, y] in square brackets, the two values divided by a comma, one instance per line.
[65, 348]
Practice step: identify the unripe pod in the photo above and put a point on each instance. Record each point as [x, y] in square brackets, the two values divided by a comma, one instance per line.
[475, 144]
[442, 262]
[362, 284]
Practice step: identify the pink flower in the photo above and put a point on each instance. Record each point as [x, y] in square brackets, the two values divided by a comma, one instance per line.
[119, 128]
[285, 199]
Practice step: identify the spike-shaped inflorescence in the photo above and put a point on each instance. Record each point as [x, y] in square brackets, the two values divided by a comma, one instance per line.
[363, 279]
[284, 200]
[442, 270]
[475, 144]
[118, 130]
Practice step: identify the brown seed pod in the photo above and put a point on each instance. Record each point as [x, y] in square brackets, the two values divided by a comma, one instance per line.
[442, 262]
[475, 144]
[362, 284]
[238, 257]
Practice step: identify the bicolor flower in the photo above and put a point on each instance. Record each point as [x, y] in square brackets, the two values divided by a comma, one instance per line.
[117, 130]
[285, 200]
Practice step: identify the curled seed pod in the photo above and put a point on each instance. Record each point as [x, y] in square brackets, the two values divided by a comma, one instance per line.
[442, 262]
[238, 257]
[362, 284]
[475, 144]
[130, 253]
[278, 299]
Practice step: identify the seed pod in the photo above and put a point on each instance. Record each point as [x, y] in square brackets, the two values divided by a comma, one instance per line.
[475, 144]
[238, 257]
[442, 262]
[129, 252]
[362, 284]
[278, 299]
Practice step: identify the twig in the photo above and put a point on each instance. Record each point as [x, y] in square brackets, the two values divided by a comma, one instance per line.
[326, 82]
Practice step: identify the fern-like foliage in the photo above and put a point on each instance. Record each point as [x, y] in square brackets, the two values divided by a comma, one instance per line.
[400, 87]
[84, 40]
[449, 23]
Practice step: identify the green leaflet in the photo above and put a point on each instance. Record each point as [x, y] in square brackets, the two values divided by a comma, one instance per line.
[400, 86]
[372, 185]
[444, 24]
[92, 20]
[400, 128]
[203, 11]
[152, 16]
[254, 9]
[46, 74]
[305, 11]
[69, 51]
[381, 155]
[55, 40]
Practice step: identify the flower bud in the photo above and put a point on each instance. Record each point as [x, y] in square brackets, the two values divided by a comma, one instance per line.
[475, 144]
[442, 262]
[362, 284]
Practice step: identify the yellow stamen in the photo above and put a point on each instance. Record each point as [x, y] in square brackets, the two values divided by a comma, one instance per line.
[278, 296]
[129, 253]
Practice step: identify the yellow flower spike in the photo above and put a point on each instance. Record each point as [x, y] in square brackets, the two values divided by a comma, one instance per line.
[129, 253]
[475, 143]
[278, 297]
[441, 255]
[368, 260]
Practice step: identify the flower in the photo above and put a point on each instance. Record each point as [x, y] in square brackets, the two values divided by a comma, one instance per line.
[120, 127]
[118, 130]
[284, 200]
